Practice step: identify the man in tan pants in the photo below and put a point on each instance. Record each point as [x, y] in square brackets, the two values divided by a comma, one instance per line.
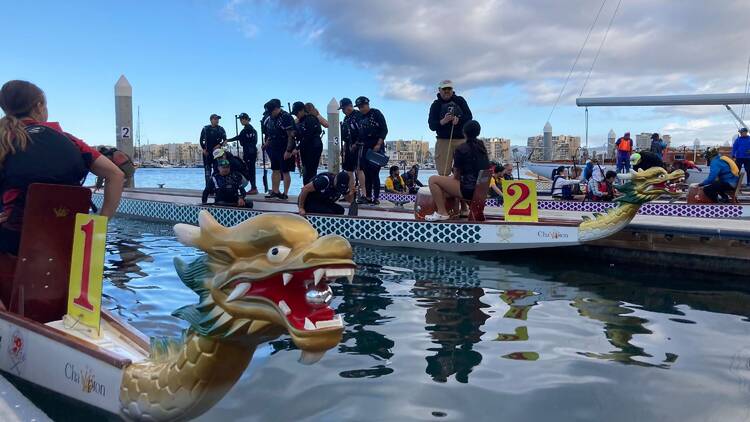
[448, 114]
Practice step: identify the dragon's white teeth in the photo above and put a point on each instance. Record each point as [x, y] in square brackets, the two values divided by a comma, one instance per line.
[334, 273]
[287, 278]
[335, 322]
[309, 324]
[239, 291]
[318, 274]
[284, 308]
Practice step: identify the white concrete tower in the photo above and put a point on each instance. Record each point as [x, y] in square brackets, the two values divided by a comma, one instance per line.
[334, 137]
[548, 142]
[611, 138]
[124, 117]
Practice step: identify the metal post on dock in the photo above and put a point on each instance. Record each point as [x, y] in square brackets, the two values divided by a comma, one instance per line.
[334, 158]
[124, 119]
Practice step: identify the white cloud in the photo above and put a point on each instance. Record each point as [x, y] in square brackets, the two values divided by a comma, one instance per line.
[231, 13]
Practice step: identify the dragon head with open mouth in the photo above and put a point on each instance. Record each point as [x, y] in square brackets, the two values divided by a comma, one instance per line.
[645, 185]
[267, 275]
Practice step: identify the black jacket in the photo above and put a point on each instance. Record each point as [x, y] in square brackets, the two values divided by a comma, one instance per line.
[229, 188]
[371, 127]
[308, 133]
[248, 138]
[349, 128]
[648, 160]
[440, 108]
[211, 137]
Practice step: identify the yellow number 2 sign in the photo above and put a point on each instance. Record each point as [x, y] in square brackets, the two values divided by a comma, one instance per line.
[519, 200]
[86, 270]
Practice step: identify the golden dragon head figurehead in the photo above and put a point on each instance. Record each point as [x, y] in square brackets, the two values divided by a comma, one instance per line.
[645, 185]
[263, 277]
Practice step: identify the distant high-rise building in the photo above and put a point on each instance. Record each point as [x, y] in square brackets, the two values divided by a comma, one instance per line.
[498, 149]
[412, 151]
[611, 139]
[564, 147]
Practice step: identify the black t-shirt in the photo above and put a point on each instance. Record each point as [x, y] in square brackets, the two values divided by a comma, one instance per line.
[248, 138]
[648, 160]
[325, 185]
[229, 187]
[371, 127]
[308, 132]
[211, 137]
[470, 160]
[349, 128]
[276, 129]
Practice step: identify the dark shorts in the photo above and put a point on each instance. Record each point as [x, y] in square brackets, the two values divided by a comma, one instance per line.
[467, 194]
[278, 163]
[350, 159]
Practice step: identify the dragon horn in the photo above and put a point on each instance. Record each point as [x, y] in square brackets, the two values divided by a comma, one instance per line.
[208, 223]
[187, 235]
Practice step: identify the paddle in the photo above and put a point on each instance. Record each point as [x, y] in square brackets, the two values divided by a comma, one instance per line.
[354, 206]
[265, 171]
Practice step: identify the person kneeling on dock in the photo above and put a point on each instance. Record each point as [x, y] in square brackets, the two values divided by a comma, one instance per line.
[229, 187]
[469, 160]
[644, 160]
[320, 195]
[722, 178]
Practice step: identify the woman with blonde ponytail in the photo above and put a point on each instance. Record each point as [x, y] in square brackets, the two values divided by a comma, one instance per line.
[33, 150]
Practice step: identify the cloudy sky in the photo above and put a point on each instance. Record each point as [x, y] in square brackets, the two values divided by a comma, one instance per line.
[510, 59]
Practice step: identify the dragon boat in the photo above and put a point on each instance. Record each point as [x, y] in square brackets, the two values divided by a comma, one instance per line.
[398, 226]
[265, 277]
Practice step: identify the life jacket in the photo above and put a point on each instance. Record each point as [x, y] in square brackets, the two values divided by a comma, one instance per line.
[398, 183]
[625, 145]
[49, 157]
[732, 165]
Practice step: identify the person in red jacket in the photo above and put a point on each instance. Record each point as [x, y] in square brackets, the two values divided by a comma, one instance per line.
[33, 150]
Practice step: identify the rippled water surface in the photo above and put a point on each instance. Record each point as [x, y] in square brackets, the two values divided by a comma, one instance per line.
[434, 336]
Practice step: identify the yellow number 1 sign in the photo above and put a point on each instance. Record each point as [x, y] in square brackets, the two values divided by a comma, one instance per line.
[519, 200]
[86, 270]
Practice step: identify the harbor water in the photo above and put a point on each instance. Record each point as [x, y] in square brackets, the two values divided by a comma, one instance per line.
[433, 336]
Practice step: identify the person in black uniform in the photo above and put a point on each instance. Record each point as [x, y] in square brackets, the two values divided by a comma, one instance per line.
[248, 139]
[644, 160]
[308, 141]
[280, 145]
[470, 158]
[349, 135]
[412, 179]
[320, 195]
[229, 187]
[211, 138]
[372, 130]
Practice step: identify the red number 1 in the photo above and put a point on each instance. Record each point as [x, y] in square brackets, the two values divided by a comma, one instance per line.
[523, 195]
[83, 299]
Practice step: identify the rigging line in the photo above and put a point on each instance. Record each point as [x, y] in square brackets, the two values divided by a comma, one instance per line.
[585, 41]
[600, 47]
[747, 87]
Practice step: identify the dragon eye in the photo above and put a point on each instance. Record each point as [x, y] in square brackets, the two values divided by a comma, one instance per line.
[277, 254]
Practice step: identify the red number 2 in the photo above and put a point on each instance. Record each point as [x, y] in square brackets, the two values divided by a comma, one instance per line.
[83, 299]
[524, 190]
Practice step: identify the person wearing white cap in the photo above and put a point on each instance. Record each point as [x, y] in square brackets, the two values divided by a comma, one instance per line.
[448, 115]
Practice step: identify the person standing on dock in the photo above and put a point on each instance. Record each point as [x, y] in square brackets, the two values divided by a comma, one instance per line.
[280, 145]
[624, 147]
[722, 178]
[741, 153]
[350, 145]
[212, 136]
[372, 132]
[448, 115]
[658, 146]
[309, 143]
[248, 139]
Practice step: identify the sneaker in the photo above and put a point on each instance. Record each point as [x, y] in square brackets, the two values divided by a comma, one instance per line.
[283, 196]
[253, 191]
[272, 195]
[435, 216]
[362, 200]
[375, 202]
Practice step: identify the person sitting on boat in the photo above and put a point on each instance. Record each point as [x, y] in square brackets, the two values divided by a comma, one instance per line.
[601, 186]
[33, 150]
[212, 136]
[658, 145]
[321, 194]
[395, 183]
[588, 171]
[722, 178]
[624, 146]
[412, 179]
[229, 186]
[309, 143]
[684, 165]
[644, 160]
[741, 152]
[248, 139]
[280, 145]
[469, 160]
[504, 172]
[121, 160]
[562, 186]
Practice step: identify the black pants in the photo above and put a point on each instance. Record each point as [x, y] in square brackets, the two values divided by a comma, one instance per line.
[746, 163]
[316, 204]
[310, 158]
[249, 157]
[717, 188]
[372, 181]
[208, 167]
